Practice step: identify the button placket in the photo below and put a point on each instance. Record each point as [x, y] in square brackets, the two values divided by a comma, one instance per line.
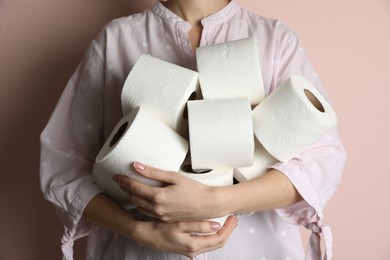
[182, 32]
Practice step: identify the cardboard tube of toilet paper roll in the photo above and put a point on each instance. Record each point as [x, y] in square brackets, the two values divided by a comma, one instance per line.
[222, 177]
[161, 88]
[292, 118]
[230, 69]
[261, 161]
[137, 137]
[221, 133]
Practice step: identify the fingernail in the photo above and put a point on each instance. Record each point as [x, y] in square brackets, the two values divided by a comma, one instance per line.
[215, 226]
[139, 166]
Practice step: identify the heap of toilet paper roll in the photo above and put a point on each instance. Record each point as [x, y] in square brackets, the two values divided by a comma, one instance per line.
[154, 99]
[161, 100]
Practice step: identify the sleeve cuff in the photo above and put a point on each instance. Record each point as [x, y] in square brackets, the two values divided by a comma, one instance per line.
[307, 212]
[293, 172]
[75, 227]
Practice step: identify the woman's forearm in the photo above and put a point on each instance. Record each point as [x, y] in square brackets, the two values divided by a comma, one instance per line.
[104, 212]
[184, 199]
[158, 235]
[269, 191]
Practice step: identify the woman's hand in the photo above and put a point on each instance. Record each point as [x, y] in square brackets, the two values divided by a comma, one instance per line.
[182, 199]
[177, 237]
[158, 235]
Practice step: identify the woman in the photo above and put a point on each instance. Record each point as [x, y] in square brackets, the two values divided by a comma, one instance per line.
[289, 194]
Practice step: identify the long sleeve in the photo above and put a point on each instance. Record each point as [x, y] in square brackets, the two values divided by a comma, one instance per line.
[69, 144]
[317, 171]
[90, 107]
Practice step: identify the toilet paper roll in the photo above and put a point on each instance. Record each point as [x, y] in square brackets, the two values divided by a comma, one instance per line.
[261, 161]
[292, 118]
[223, 177]
[229, 70]
[161, 88]
[221, 133]
[137, 137]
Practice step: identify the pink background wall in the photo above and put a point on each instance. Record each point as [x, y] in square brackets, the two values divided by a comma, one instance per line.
[42, 41]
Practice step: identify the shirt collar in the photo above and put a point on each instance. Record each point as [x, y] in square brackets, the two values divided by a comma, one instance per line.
[216, 18]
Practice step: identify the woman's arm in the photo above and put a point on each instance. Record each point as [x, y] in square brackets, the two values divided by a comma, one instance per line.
[169, 237]
[269, 191]
[171, 203]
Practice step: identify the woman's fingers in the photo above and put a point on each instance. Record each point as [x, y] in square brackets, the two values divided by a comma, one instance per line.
[178, 237]
[157, 174]
[202, 244]
[148, 198]
[133, 186]
[199, 227]
[171, 202]
[227, 229]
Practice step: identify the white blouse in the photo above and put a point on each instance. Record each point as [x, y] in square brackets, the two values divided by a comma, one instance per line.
[90, 107]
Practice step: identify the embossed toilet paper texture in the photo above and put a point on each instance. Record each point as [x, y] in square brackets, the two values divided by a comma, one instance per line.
[221, 133]
[286, 122]
[145, 139]
[261, 161]
[161, 88]
[230, 70]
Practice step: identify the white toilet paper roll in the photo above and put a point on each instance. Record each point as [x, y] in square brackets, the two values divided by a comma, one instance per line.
[137, 137]
[261, 161]
[221, 133]
[223, 177]
[161, 88]
[229, 70]
[292, 118]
